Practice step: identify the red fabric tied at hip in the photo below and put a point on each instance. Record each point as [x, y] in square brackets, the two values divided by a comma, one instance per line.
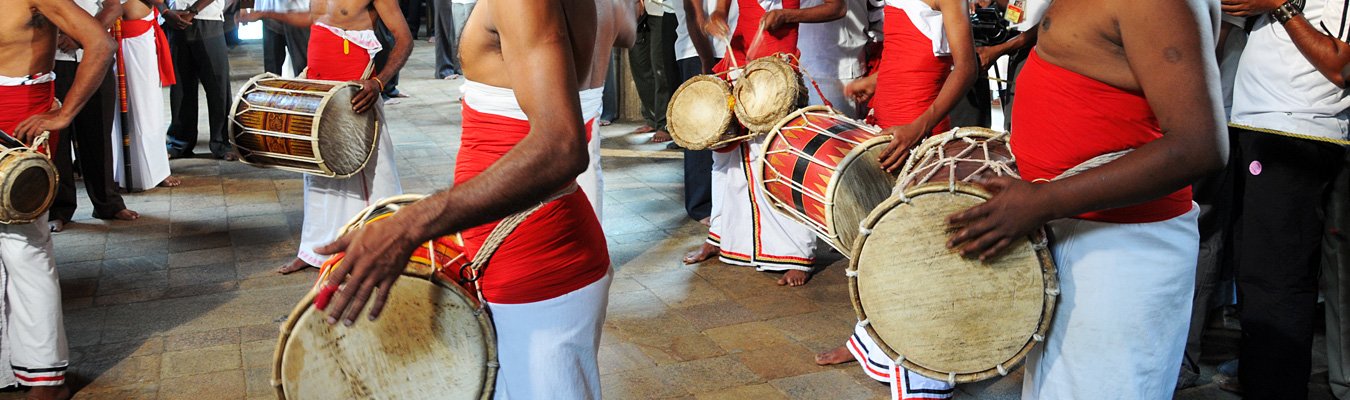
[334, 58]
[1062, 118]
[909, 76]
[558, 249]
[21, 102]
[134, 28]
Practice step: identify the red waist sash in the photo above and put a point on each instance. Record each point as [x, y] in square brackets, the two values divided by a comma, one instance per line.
[909, 76]
[334, 58]
[558, 249]
[748, 42]
[1063, 118]
[134, 28]
[21, 102]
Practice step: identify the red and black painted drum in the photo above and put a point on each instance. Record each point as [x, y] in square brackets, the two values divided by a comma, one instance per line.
[822, 169]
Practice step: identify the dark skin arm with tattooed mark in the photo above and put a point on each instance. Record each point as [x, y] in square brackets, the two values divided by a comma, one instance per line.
[1157, 47]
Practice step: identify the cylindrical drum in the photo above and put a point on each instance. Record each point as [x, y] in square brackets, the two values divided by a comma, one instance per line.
[302, 125]
[27, 180]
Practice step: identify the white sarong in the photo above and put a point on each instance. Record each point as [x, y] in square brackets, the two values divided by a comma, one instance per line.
[145, 111]
[745, 226]
[592, 182]
[547, 349]
[875, 363]
[33, 350]
[332, 202]
[1123, 313]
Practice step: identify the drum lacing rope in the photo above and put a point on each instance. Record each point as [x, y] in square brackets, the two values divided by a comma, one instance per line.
[495, 240]
[1001, 371]
[951, 378]
[850, 272]
[935, 152]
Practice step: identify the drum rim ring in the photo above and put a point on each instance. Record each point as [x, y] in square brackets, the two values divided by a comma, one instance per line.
[725, 122]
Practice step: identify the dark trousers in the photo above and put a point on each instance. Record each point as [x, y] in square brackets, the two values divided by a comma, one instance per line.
[652, 60]
[1279, 240]
[281, 39]
[386, 38]
[610, 111]
[697, 163]
[976, 107]
[450, 20]
[1336, 283]
[1015, 62]
[1214, 268]
[199, 57]
[412, 12]
[91, 134]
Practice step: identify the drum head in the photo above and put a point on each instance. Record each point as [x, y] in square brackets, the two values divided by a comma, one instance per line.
[429, 343]
[948, 316]
[28, 186]
[768, 90]
[700, 114]
[346, 139]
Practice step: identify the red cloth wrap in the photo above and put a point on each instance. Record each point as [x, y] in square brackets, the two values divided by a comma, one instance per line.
[781, 40]
[332, 58]
[134, 28]
[21, 102]
[1063, 118]
[558, 249]
[909, 76]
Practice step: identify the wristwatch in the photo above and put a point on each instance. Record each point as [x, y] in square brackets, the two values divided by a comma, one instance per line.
[1287, 11]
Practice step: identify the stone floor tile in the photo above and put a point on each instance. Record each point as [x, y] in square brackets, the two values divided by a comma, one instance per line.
[202, 274]
[778, 304]
[646, 383]
[194, 258]
[200, 340]
[258, 354]
[761, 391]
[716, 314]
[747, 336]
[259, 382]
[228, 384]
[137, 391]
[710, 374]
[622, 357]
[780, 361]
[138, 370]
[831, 384]
[196, 361]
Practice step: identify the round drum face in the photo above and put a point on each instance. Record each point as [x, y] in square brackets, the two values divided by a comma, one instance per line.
[31, 189]
[945, 313]
[428, 343]
[769, 90]
[700, 112]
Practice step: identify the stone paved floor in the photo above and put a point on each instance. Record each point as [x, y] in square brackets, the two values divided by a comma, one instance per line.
[183, 303]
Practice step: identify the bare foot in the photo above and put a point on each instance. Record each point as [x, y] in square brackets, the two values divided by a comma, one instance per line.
[126, 215]
[295, 265]
[704, 253]
[171, 181]
[661, 137]
[837, 355]
[644, 129]
[56, 225]
[61, 392]
[706, 221]
[794, 278]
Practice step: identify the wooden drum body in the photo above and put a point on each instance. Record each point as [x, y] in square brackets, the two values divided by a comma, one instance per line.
[933, 311]
[822, 169]
[27, 181]
[768, 89]
[302, 125]
[700, 113]
[432, 341]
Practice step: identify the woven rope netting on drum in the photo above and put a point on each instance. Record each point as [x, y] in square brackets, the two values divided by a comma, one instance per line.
[931, 159]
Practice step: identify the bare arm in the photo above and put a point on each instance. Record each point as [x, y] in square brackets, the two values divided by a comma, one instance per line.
[98, 49]
[537, 53]
[989, 54]
[108, 14]
[1169, 47]
[1329, 55]
[296, 19]
[625, 23]
[694, 18]
[392, 17]
[956, 23]
[829, 10]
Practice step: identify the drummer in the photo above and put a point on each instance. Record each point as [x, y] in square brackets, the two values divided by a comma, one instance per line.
[37, 356]
[1126, 235]
[342, 44]
[524, 142]
[744, 230]
[927, 64]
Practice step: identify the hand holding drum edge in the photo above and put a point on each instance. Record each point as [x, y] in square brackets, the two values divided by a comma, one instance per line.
[376, 255]
[50, 121]
[903, 137]
[1015, 210]
[364, 99]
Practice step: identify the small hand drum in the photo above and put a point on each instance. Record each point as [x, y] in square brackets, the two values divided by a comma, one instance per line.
[822, 169]
[700, 113]
[27, 180]
[767, 90]
[927, 307]
[302, 125]
[432, 341]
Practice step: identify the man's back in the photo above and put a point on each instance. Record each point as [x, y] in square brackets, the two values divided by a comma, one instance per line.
[482, 53]
[27, 39]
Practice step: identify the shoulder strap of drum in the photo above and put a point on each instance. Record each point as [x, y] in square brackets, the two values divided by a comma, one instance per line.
[498, 236]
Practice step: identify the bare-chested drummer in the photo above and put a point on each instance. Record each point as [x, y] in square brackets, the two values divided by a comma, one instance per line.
[547, 285]
[38, 357]
[342, 45]
[1108, 76]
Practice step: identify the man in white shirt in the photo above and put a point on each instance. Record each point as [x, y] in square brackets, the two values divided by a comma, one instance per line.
[1290, 118]
[833, 53]
[196, 32]
[652, 60]
[280, 40]
[90, 132]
